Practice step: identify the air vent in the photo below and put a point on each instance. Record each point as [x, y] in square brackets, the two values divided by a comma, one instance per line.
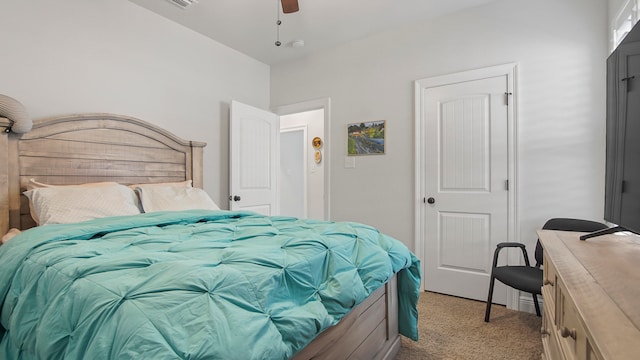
[183, 4]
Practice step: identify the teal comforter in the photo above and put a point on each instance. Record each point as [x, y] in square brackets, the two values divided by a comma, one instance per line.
[191, 285]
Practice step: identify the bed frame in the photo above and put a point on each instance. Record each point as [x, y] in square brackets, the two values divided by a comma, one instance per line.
[83, 148]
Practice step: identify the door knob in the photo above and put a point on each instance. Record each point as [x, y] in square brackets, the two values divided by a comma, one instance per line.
[234, 198]
[431, 200]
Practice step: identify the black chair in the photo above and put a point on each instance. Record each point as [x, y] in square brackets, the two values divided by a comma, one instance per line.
[528, 278]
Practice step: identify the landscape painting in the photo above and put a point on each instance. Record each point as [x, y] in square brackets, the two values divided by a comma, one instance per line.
[366, 138]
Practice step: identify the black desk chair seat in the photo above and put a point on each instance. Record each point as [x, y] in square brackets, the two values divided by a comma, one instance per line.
[528, 278]
[523, 278]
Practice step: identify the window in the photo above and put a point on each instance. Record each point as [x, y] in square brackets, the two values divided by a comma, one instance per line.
[627, 17]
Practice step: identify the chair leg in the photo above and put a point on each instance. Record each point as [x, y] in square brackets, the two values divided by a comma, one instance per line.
[535, 303]
[489, 299]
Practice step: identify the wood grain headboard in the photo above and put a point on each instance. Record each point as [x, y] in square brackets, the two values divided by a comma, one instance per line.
[84, 148]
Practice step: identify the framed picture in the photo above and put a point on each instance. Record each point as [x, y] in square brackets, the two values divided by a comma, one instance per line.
[366, 138]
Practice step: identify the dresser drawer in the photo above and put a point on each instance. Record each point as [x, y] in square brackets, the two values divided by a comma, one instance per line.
[571, 333]
[550, 341]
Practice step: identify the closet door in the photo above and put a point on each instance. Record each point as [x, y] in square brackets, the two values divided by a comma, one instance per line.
[466, 202]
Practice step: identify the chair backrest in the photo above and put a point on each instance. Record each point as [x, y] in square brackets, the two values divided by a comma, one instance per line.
[566, 224]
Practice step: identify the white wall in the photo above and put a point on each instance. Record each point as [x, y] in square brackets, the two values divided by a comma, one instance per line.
[560, 46]
[73, 56]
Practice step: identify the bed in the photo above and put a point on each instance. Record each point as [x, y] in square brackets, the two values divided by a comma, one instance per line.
[77, 290]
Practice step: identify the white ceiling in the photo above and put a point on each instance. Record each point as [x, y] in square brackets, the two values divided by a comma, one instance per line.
[249, 26]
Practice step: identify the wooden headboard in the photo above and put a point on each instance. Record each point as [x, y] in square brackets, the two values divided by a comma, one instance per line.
[84, 148]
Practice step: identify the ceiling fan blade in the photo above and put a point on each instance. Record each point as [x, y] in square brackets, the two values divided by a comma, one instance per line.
[289, 6]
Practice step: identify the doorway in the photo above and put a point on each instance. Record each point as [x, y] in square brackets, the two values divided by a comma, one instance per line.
[302, 167]
[304, 163]
[465, 179]
[254, 161]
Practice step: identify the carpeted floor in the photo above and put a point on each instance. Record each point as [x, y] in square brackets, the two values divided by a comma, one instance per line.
[454, 328]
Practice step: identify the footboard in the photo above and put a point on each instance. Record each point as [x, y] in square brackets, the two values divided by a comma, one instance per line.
[369, 331]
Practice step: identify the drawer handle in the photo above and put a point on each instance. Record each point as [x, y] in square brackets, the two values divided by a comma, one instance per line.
[548, 282]
[566, 332]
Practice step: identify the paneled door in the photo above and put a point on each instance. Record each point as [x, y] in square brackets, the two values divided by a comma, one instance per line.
[254, 152]
[465, 145]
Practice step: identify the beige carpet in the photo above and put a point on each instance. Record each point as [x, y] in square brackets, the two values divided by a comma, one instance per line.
[454, 328]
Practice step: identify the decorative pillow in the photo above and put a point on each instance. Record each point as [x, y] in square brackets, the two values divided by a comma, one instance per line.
[172, 198]
[70, 204]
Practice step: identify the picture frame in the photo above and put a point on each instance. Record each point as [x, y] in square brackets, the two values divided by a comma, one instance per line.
[366, 138]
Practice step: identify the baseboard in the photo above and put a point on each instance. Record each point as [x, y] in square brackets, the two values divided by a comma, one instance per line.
[525, 303]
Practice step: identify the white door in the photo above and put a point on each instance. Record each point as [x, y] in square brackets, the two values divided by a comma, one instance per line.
[254, 151]
[466, 197]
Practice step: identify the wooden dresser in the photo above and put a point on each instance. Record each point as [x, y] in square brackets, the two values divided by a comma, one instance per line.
[591, 296]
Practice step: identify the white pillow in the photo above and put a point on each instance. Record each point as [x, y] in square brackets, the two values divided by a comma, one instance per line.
[172, 198]
[70, 204]
[33, 184]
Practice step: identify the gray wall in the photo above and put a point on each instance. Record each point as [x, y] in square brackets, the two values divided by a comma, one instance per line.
[73, 56]
[560, 47]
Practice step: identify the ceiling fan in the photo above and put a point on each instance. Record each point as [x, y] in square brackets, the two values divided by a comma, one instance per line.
[289, 6]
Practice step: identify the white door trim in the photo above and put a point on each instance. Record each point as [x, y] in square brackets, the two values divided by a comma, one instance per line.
[510, 70]
[309, 105]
